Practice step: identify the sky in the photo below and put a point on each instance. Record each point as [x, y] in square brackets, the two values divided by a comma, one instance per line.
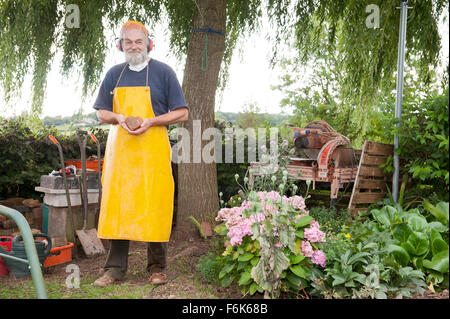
[250, 81]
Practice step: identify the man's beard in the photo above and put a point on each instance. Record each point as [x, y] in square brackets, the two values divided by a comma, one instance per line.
[135, 57]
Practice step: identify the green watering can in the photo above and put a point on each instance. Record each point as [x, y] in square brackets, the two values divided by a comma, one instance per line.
[19, 268]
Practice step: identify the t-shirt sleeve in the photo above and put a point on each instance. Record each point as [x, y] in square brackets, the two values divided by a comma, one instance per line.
[175, 96]
[104, 99]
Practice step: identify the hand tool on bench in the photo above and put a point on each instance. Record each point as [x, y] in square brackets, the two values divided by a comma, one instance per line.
[94, 139]
[92, 245]
[66, 186]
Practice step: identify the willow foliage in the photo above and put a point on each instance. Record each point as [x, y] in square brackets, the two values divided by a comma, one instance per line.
[32, 31]
[369, 55]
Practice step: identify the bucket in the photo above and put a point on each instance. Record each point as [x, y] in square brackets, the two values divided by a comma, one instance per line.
[5, 242]
[90, 164]
[59, 255]
[20, 269]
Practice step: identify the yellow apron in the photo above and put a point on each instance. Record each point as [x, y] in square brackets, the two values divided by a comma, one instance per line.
[138, 187]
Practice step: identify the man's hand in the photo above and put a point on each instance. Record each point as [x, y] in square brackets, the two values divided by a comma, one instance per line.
[109, 117]
[146, 124]
[121, 121]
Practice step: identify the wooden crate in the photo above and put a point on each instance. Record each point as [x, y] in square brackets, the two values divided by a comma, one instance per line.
[370, 182]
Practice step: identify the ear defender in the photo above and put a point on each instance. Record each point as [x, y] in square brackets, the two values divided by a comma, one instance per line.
[119, 44]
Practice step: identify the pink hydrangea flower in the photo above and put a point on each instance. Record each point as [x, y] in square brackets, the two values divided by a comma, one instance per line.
[257, 218]
[306, 249]
[237, 232]
[299, 203]
[319, 258]
[246, 204]
[314, 234]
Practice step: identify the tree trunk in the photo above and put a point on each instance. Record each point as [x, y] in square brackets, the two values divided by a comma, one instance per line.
[197, 182]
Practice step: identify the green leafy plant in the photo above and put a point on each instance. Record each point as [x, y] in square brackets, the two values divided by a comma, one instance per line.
[330, 219]
[418, 242]
[359, 266]
[424, 141]
[271, 243]
[209, 267]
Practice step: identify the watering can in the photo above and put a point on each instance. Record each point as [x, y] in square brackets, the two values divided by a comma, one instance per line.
[21, 269]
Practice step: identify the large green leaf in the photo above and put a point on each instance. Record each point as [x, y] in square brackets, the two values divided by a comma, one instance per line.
[338, 279]
[295, 259]
[246, 256]
[438, 226]
[295, 281]
[384, 216]
[245, 279]
[417, 244]
[402, 232]
[303, 221]
[227, 280]
[254, 261]
[437, 243]
[254, 287]
[440, 211]
[225, 270]
[400, 254]
[439, 262]
[417, 223]
[358, 257]
[299, 271]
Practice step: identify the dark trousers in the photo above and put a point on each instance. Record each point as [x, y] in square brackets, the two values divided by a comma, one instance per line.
[117, 261]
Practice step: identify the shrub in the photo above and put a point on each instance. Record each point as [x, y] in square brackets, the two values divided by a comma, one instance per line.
[209, 267]
[26, 153]
[271, 243]
[424, 142]
[359, 265]
[417, 241]
[330, 219]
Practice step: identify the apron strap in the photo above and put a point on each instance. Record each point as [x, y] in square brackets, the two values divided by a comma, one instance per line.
[146, 77]
[120, 76]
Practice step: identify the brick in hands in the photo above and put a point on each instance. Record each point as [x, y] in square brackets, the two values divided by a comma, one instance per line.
[133, 122]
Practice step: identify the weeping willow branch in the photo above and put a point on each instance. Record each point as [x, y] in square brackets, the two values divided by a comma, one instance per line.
[32, 31]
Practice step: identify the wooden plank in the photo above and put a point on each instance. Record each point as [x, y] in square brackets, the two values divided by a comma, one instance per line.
[350, 203]
[371, 183]
[367, 198]
[371, 147]
[374, 160]
[371, 171]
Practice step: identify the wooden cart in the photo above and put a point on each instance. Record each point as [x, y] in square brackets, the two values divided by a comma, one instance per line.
[358, 167]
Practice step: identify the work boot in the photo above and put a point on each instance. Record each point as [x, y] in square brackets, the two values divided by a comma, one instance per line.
[158, 278]
[105, 280]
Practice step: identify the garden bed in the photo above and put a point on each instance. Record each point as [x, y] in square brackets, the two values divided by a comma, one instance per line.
[184, 281]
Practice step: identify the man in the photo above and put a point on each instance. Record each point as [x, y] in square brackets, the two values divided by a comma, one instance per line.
[138, 187]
